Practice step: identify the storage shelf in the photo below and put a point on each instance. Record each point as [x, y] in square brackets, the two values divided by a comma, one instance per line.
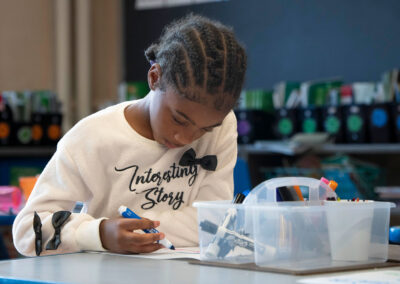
[360, 148]
[27, 152]
[393, 148]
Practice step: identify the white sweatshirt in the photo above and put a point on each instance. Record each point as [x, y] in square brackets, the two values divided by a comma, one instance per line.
[103, 162]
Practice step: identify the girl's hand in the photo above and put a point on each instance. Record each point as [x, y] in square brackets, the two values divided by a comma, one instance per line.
[118, 235]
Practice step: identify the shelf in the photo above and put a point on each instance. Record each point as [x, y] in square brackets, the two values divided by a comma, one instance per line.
[292, 150]
[360, 148]
[27, 152]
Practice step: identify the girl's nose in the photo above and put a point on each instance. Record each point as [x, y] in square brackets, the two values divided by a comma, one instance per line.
[186, 136]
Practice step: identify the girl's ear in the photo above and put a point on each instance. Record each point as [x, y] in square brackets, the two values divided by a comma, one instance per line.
[154, 76]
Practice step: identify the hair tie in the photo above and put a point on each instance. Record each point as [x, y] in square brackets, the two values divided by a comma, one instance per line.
[152, 62]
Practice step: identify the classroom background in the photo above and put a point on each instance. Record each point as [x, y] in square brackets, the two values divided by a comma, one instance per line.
[321, 97]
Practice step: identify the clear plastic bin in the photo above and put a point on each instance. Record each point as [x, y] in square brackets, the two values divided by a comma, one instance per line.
[224, 233]
[309, 236]
[298, 235]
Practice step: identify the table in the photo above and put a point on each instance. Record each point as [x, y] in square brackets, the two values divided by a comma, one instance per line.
[106, 268]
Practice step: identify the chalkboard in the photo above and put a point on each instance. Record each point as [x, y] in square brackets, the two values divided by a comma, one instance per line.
[295, 40]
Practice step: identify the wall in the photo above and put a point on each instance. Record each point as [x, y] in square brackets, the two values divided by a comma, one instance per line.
[73, 47]
[26, 44]
[288, 39]
[107, 50]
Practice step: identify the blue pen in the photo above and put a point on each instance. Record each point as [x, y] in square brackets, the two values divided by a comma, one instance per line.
[128, 213]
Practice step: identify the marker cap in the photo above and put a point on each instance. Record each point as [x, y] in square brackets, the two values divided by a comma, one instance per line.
[122, 209]
[333, 185]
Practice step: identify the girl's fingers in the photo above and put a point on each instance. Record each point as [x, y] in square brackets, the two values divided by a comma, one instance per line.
[149, 248]
[144, 239]
[138, 224]
[125, 235]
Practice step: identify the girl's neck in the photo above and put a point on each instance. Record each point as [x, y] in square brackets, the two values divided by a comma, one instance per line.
[138, 117]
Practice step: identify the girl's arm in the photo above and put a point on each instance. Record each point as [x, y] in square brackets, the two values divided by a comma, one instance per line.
[58, 188]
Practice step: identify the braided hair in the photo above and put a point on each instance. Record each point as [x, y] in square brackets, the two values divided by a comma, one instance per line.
[198, 55]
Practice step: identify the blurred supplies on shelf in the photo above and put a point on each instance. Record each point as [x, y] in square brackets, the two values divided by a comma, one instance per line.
[286, 123]
[298, 144]
[254, 116]
[29, 118]
[11, 200]
[360, 112]
[364, 175]
[311, 119]
[356, 126]
[388, 193]
[395, 111]
[256, 100]
[128, 91]
[252, 125]
[26, 184]
[356, 178]
[300, 107]
[380, 124]
[333, 122]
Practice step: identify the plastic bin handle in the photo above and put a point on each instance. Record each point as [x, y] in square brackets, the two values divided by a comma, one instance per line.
[266, 191]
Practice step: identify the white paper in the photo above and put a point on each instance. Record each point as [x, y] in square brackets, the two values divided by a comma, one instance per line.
[375, 277]
[186, 252]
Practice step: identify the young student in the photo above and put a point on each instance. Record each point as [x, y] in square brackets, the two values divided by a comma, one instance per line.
[156, 155]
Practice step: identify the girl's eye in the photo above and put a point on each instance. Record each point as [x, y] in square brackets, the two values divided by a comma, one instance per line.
[178, 121]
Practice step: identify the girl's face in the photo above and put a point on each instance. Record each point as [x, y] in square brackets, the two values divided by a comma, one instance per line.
[177, 121]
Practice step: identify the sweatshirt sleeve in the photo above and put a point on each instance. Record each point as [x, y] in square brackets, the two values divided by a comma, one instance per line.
[58, 188]
[180, 226]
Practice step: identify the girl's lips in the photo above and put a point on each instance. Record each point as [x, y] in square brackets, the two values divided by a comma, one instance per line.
[171, 145]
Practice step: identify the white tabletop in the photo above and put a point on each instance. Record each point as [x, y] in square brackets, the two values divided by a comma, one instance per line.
[105, 268]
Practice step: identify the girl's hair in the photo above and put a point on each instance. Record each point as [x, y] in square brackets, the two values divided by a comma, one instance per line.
[198, 55]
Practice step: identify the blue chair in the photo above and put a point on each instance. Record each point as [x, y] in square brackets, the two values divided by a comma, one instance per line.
[241, 176]
[5, 220]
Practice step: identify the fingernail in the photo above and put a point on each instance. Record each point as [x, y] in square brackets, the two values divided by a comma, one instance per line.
[156, 223]
[162, 235]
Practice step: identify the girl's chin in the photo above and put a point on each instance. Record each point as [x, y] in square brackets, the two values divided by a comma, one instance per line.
[169, 145]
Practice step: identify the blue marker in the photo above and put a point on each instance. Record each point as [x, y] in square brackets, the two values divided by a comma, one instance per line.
[128, 213]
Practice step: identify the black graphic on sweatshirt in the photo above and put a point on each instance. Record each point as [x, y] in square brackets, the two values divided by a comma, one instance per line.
[208, 162]
[156, 194]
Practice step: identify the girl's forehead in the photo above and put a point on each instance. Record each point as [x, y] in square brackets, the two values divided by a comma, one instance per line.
[218, 101]
[201, 111]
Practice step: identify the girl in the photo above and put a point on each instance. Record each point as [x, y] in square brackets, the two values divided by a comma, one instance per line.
[156, 155]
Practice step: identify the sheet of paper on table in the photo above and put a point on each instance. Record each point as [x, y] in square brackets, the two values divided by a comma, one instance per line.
[374, 277]
[186, 252]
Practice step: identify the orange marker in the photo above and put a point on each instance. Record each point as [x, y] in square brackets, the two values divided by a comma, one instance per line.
[298, 191]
